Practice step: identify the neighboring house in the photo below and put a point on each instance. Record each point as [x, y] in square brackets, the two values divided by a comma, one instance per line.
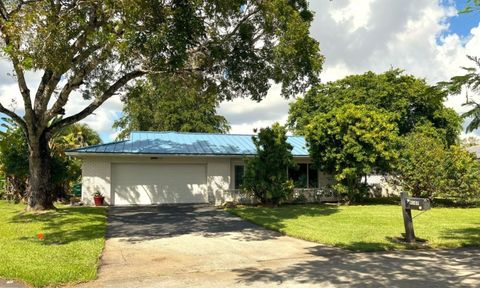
[383, 186]
[171, 167]
[475, 150]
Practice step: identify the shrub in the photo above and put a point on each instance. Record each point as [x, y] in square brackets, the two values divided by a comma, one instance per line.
[426, 168]
[350, 142]
[266, 173]
[462, 174]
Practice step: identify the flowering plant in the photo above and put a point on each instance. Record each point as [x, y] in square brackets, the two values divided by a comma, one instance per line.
[97, 194]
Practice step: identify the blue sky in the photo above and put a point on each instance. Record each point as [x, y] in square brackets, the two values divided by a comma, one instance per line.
[463, 23]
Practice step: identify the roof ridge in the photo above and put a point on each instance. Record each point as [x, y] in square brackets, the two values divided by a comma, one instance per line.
[201, 133]
[193, 133]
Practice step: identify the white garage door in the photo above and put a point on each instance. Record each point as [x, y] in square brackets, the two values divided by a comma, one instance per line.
[146, 184]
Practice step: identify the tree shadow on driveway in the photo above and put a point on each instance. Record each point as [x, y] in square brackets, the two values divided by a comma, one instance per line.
[427, 268]
[154, 222]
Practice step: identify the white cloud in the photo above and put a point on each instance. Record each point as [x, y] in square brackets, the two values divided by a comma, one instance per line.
[243, 113]
[102, 119]
[358, 36]
[10, 98]
[354, 15]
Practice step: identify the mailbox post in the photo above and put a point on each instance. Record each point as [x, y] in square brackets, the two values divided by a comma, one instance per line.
[407, 219]
[409, 203]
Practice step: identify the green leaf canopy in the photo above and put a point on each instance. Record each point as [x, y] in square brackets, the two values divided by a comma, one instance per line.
[412, 101]
[163, 103]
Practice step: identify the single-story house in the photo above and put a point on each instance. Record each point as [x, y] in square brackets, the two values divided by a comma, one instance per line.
[171, 167]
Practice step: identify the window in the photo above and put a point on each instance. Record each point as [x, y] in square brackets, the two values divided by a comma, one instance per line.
[299, 175]
[304, 176]
[239, 171]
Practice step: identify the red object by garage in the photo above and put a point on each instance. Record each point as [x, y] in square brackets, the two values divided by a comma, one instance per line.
[98, 200]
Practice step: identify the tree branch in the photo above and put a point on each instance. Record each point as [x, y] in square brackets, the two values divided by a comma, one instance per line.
[77, 47]
[50, 79]
[230, 34]
[3, 11]
[73, 83]
[47, 76]
[50, 88]
[22, 83]
[122, 81]
[14, 116]
[243, 20]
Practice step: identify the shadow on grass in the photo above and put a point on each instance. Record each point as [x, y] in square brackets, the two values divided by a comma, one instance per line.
[66, 224]
[272, 218]
[468, 236]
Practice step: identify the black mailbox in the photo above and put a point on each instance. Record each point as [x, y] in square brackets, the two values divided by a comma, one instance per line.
[418, 204]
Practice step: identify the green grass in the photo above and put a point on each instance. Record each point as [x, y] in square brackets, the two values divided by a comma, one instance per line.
[368, 227]
[73, 242]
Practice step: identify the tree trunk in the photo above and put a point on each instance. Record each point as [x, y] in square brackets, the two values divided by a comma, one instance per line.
[40, 191]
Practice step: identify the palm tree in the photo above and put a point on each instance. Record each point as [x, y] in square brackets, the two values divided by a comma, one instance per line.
[470, 81]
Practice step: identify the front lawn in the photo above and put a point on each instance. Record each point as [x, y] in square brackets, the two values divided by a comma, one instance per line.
[69, 252]
[369, 227]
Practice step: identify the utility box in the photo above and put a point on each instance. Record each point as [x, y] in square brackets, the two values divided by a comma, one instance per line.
[422, 204]
[77, 190]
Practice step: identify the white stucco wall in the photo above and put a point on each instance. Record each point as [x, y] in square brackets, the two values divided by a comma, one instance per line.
[96, 174]
[218, 179]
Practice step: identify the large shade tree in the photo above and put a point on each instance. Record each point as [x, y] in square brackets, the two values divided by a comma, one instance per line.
[239, 47]
[412, 101]
[170, 103]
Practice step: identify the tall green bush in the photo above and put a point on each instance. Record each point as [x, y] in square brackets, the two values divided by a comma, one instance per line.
[266, 173]
[14, 159]
[462, 171]
[426, 168]
[350, 142]
[421, 165]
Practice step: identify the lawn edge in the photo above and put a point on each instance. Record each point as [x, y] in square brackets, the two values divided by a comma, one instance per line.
[395, 248]
[97, 263]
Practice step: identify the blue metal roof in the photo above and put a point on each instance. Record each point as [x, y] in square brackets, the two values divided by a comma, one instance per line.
[179, 143]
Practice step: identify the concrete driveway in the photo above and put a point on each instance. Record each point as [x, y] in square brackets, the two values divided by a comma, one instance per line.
[200, 246]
